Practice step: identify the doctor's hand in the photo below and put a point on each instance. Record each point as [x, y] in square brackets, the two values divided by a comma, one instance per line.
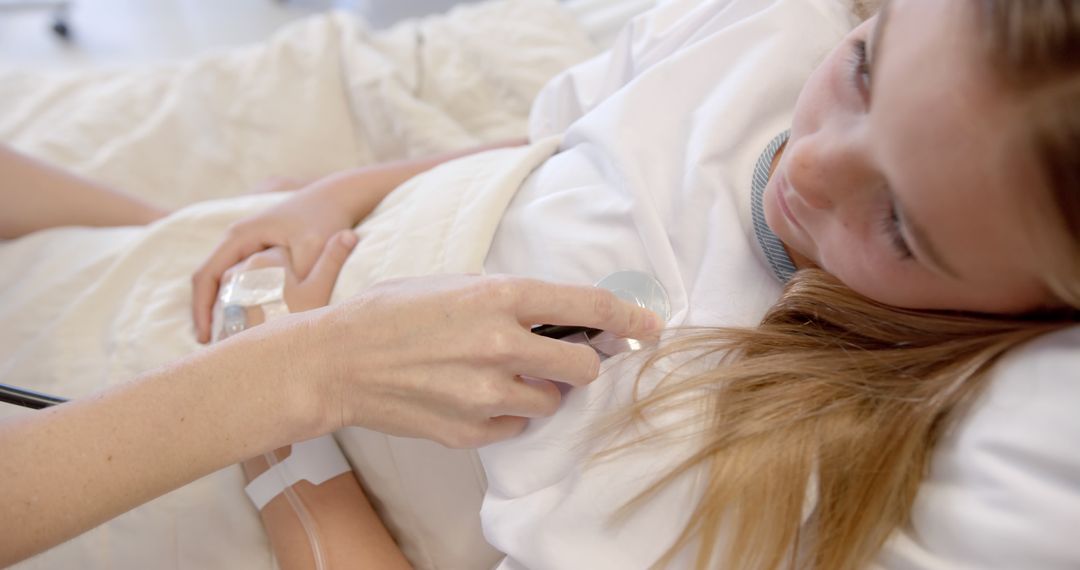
[444, 357]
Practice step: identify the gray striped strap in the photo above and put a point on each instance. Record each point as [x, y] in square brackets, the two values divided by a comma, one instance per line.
[775, 253]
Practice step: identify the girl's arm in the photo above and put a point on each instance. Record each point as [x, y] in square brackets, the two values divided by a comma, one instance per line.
[37, 196]
[303, 223]
[350, 532]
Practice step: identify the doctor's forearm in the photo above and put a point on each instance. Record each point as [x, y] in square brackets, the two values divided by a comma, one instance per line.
[69, 468]
[37, 196]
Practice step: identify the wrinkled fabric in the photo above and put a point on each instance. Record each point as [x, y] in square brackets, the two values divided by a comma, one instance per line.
[660, 140]
[84, 308]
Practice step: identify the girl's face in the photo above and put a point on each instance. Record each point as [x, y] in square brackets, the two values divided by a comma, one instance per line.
[903, 177]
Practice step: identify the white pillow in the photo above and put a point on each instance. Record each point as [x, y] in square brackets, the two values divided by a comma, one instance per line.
[1004, 488]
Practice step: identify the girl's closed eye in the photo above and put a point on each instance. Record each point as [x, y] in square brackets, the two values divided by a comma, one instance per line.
[860, 68]
[891, 226]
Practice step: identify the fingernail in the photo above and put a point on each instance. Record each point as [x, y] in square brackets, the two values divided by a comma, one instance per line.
[348, 239]
[653, 322]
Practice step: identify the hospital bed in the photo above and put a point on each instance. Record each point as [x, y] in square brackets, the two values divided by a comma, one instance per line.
[323, 94]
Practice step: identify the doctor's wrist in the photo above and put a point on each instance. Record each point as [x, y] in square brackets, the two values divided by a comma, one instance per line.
[286, 363]
[315, 381]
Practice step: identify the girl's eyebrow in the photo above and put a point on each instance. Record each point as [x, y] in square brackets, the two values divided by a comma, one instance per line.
[878, 34]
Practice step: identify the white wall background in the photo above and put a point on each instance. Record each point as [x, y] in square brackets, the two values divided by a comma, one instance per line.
[121, 32]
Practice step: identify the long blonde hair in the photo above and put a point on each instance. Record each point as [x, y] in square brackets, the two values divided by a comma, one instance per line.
[839, 390]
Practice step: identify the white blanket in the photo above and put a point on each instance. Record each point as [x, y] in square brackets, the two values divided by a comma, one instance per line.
[87, 308]
[321, 95]
[119, 304]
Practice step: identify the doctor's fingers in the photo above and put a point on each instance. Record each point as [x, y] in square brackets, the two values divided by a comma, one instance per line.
[500, 428]
[477, 433]
[586, 306]
[540, 357]
[523, 397]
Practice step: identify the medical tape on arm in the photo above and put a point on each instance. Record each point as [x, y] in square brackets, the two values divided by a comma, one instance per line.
[315, 461]
[258, 288]
[263, 288]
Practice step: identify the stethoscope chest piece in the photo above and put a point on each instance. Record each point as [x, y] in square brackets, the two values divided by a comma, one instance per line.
[639, 288]
[636, 287]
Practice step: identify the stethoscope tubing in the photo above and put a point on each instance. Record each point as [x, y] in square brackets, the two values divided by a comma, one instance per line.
[28, 398]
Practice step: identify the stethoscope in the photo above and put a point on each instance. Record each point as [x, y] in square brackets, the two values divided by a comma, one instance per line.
[27, 398]
[636, 287]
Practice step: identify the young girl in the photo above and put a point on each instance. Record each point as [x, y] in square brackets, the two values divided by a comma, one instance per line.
[922, 218]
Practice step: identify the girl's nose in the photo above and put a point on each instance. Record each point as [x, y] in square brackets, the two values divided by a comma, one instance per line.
[826, 170]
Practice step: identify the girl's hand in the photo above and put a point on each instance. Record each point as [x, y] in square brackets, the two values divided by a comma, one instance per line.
[312, 291]
[300, 226]
[303, 223]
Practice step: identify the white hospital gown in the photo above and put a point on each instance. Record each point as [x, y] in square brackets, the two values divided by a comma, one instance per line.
[661, 138]
[654, 172]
